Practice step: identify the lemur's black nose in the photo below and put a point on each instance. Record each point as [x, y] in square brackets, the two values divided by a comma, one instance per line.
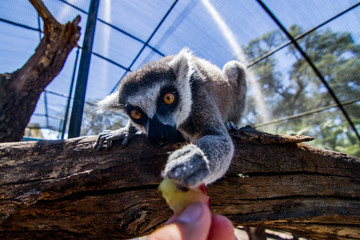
[160, 134]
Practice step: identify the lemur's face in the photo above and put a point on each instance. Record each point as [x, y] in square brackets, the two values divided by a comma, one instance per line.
[155, 111]
[155, 102]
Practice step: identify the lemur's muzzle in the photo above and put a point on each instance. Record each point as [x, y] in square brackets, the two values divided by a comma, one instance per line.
[160, 134]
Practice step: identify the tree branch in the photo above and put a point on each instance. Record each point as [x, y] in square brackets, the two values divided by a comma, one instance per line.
[20, 91]
[46, 16]
[63, 189]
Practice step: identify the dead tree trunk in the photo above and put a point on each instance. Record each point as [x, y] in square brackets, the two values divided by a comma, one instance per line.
[63, 189]
[20, 91]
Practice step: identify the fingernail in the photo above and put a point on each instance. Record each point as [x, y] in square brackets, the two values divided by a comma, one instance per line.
[191, 214]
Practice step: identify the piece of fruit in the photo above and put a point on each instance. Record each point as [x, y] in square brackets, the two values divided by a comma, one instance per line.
[178, 199]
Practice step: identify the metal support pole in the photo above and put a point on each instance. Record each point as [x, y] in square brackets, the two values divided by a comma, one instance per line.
[69, 97]
[80, 90]
[46, 110]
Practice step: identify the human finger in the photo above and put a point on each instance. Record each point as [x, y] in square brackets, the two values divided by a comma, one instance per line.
[193, 224]
[221, 228]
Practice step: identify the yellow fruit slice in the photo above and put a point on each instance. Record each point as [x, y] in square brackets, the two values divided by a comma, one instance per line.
[178, 199]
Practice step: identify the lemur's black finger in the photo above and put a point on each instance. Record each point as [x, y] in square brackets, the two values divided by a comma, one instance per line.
[108, 144]
[96, 144]
[231, 127]
[125, 142]
[101, 143]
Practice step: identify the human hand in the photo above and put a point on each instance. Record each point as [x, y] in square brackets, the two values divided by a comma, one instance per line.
[195, 223]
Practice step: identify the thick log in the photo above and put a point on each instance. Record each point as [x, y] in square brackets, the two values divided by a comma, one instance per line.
[20, 90]
[64, 189]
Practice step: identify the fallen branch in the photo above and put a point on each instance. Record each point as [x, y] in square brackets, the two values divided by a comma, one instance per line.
[63, 189]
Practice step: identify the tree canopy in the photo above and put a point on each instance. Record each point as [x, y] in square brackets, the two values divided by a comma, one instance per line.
[294, 89]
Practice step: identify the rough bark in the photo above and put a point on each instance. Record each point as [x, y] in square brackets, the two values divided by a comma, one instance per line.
[63, 189]
[20, 91]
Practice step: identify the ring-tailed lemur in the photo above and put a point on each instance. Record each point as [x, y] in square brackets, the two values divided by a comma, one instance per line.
[184, 96]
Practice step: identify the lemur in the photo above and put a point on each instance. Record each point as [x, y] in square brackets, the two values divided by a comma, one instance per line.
[182, 96]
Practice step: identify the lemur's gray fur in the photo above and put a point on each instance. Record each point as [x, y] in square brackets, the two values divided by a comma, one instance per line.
[205, 100]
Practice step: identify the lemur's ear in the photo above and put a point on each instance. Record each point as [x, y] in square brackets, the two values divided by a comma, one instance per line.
[109, 104]
[181, 64]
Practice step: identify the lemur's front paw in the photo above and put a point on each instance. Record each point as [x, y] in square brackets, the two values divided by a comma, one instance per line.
[107, 136]
[188, 166]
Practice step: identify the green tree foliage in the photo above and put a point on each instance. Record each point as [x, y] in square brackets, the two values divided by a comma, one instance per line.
[294, 89]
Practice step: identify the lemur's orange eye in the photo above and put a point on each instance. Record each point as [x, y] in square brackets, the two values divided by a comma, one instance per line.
[169, 98]
[135, 114]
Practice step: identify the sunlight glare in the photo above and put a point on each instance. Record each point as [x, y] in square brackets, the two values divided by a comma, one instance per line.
[257, 95]
[106, 40]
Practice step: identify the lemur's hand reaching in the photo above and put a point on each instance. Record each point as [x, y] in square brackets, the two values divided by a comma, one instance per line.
[187, 166]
